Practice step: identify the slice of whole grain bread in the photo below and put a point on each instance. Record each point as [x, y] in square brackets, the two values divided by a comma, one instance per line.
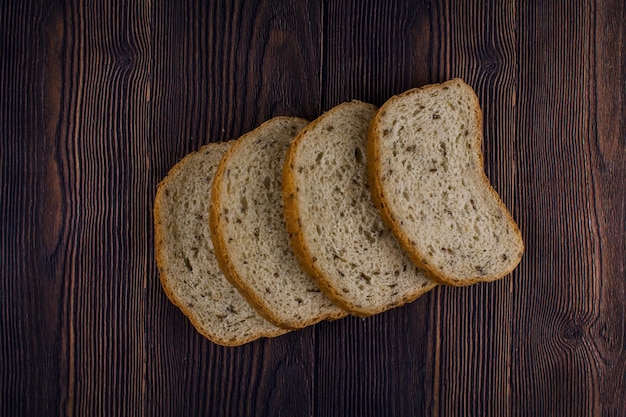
[428, 182]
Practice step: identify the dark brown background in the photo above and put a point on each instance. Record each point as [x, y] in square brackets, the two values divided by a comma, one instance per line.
[99, 99]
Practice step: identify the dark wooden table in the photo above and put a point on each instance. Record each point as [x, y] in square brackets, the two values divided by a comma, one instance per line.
[99, 99]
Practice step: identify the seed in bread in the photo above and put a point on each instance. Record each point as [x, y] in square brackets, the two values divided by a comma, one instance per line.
[336, 231]
[186, 260]
[427, 179]
[248, 229]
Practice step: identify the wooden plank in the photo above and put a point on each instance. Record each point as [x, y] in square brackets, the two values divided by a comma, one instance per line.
[105, 129]
[570, 328]
[374, 50]
[607, 149]
[90, 162]
[380, 365]
[223, 69]
[476, 40]
[31, 289]
[77, 166]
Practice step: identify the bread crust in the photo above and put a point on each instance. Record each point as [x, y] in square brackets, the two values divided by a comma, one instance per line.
[223, 258]
[302, 250]
[160, 261]
[380, 199]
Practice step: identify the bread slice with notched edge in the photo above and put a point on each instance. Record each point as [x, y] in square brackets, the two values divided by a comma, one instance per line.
[427, 179]
[186, 260]
[248, 229]
[336, 231]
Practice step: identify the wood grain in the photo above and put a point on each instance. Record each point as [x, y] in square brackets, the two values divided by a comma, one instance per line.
[76, 275]
[99, 129]
[371, 53]
[30, 294]
[99, 99]
[607, 148]
[562, 367]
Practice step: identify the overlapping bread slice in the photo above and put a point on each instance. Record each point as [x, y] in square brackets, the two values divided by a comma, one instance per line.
[248, 229]
[428, 181]
[186, 260]
[336, 231]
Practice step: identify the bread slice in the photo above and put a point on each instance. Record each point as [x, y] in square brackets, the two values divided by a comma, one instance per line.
[337, 234]
[427, 179]
[248, 229]
[185, 258]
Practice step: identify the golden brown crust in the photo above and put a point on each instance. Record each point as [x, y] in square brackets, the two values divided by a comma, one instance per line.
[379, 199]
[222, 255]
[164, 279]
[301, 249]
